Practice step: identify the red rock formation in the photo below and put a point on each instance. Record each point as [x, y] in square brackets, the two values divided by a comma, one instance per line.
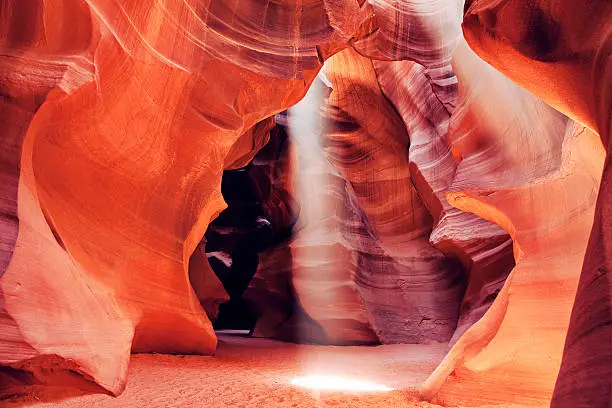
[126, 172]
[423, 91]
[119, 117]
[412, 291]
[41, 312]
[120, 172]
[513, 169]
[561, 51]
[426, 99]
[422, 31]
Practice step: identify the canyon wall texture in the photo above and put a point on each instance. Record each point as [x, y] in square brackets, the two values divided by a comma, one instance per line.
[541, 160]
[442, 199]
[120, 176]
[567, 62]
[324, 271]
[426, 99]
[412, 290]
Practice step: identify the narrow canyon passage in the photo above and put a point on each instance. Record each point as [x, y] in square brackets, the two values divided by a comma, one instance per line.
[401, 202]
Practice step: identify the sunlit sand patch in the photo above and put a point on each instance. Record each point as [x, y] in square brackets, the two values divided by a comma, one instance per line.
[337, 383]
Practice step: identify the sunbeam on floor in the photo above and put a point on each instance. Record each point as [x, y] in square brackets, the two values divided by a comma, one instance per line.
[338, 383]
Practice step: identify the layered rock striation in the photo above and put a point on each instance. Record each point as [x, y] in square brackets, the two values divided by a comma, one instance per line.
[437, 175]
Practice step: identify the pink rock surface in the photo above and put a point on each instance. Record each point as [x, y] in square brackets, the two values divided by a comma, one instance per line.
[118, 117]
[542, 161]
[324, 271]
[412, 291]
[426, 99]
[561, 52]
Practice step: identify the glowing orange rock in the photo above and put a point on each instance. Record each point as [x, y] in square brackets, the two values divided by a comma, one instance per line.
[52, 317]
[146, 102]
[121, 166]
[119, 179]
[514, 169]
[561, 51]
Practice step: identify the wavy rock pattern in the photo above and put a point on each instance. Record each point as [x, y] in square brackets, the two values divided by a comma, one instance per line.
[412, 291]
[422, 31]
[426, 99]
[118, 118]
[424, 92]
[38, 277]
[323, 267]
[562, 52]
[126, 174]
[512, 169]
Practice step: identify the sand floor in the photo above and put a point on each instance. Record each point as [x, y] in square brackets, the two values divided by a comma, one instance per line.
[247, 372]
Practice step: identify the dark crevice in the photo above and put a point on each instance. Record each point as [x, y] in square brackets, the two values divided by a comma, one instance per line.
[251, 223]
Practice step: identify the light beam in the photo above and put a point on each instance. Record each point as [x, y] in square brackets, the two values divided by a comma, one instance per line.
[337, 383]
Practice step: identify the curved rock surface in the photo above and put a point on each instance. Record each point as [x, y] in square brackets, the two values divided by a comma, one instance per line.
[121, 166]
[324, 272]
[304, 287]
[424, 92]
[426, 99]
[120, 176]
[118, 118]
[44, 296]
[513, 170]
[562, 52]
[412, 291]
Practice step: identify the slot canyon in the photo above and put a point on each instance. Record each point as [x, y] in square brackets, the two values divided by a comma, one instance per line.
[305, 203]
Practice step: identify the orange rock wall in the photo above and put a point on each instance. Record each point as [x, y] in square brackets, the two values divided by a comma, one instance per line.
[542, 161]
[561, 51]
[126, 170]
[118, 118]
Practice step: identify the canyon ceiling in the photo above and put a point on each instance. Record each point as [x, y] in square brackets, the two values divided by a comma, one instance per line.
[450, 182]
